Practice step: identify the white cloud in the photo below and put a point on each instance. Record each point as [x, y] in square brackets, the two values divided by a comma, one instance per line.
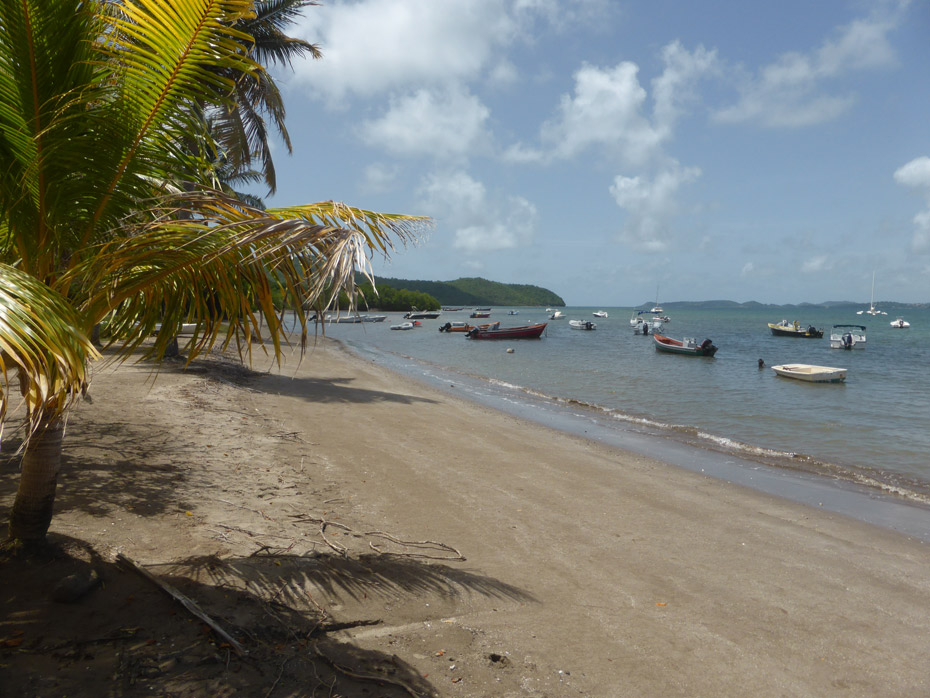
[916, 175]
[379, 46]
[380, 178]
[790, 91]
[607, 105]
[747, 270]
[814, 265]
[438, 124]
[605, 109]
[675, 87]
[650, 206]
[482, 222]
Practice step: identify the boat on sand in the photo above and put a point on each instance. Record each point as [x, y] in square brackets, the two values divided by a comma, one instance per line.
[811, 373]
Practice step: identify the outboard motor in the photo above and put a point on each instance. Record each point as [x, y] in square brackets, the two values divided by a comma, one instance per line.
[446, 327]
[847, 341]
[645, 328]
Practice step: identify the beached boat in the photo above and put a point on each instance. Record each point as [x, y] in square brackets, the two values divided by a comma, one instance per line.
[480, 313]
[600, 313]
[557, 315]
[794, 329]
[686, 346]
[847, 337]
[465, 327]
[522, 332]
[186, 328]
[582, 325]
[811, 373]
[900, 323]
[415, 314]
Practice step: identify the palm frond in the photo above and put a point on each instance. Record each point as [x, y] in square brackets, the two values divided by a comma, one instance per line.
[218, 268]
[39, 339]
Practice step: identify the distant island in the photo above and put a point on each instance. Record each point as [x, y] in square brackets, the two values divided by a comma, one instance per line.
[754, 305]
[476, 291]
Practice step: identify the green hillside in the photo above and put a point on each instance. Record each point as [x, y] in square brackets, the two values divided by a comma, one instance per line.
[477, 291]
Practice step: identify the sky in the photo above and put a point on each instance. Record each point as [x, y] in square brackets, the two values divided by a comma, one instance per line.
[620, 151]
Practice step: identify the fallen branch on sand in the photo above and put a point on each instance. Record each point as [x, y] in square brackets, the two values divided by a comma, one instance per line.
[189, 604]
[422, 544]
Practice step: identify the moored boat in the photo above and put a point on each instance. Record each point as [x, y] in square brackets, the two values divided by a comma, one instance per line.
[582, 325]
[811, 373]
[522, 332]
[794, 329]
[686, 346]
[900, 324]
[847, 337]
[480, 313]
[415, 314]
[600, 313]
[404, 326]
[557, 315]
[465, 327]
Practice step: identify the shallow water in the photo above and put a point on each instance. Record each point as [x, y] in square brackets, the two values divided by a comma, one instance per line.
[872, 429]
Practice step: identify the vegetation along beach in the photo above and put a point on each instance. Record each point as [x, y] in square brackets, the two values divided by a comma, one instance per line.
[223, 473]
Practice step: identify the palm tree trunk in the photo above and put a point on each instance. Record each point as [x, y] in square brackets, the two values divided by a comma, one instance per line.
[32, 510]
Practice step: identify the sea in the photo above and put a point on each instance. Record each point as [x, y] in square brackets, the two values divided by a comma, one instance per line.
[861, 447]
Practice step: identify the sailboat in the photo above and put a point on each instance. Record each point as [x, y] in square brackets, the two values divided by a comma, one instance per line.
[872, 309]
[657, 308]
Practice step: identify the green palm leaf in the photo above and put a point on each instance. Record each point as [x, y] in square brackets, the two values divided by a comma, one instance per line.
[38, 337]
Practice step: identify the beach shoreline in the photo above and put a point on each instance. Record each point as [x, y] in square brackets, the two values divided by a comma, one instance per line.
[589, 570]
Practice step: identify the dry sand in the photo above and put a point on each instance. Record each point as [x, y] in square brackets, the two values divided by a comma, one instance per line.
[277, 501]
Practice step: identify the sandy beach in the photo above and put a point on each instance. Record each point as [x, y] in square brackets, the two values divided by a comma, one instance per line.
[362, 534]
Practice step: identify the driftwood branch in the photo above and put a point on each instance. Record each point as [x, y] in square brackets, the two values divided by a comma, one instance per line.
[189, 604]
[419, 544]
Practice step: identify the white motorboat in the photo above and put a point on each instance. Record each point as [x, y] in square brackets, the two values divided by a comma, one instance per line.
[599, 313]
[582, 325]
[403, 326]
[847, 337]
[557, 315]
[900, 323]
[811, 373]
[415, 314]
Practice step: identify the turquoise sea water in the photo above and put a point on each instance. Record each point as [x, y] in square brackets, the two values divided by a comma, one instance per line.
[871, 430]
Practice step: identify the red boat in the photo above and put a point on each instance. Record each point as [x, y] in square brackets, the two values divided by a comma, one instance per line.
[523, 332]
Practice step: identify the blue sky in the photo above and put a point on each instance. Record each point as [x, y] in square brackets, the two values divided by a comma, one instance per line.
[769, 151]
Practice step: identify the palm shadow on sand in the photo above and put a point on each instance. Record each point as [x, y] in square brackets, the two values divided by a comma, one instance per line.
[128, 637]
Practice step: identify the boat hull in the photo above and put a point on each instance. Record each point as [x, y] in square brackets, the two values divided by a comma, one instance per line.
[847, 337]
[582, 325]
[525, 332]
[684, 348]
[810, 373]
[788, 331]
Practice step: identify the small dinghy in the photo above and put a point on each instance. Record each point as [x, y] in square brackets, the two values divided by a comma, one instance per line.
[811, 373]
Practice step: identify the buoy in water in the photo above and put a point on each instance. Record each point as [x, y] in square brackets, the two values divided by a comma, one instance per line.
[510, 350]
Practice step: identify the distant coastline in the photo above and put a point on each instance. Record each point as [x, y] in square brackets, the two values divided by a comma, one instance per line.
[755, 305]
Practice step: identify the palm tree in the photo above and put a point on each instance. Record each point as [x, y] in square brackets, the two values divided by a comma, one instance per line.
[104, 215]
[241, 131]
